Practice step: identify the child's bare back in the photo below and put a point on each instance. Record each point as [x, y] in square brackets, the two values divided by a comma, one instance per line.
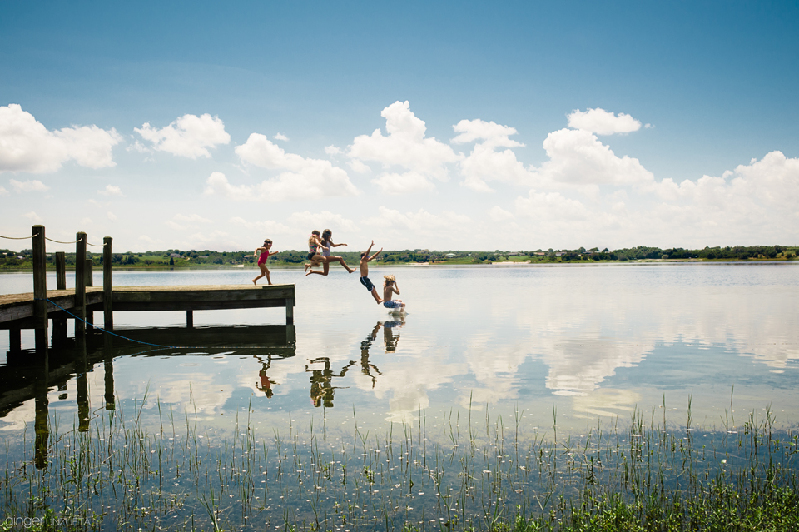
[389, 289]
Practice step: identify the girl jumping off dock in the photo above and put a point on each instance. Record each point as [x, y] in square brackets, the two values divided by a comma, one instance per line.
[327, 243]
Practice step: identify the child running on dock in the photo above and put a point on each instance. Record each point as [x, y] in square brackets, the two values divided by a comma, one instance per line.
[365, 259]
[265, 251]
[390, 288]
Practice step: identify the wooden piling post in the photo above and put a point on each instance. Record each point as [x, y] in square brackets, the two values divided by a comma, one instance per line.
[189, 319]
[80, 284]
[108, 315]
[39, 253]
[15, 340]
[60, 323]
[89, 268]
[89, 282]
[60, 270]
[289, 311]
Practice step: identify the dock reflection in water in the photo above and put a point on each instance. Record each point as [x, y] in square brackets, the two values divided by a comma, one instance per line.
[590, 341]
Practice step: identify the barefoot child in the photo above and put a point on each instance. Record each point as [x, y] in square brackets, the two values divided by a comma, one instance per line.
[314, 250]
[265, 253]
[365, 259]
[326, 258]
[389, 289]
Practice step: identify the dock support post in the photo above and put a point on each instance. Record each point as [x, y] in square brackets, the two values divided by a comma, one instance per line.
[89, 282]
[39, 286]
[41, 423]
[60, 270]
[289, 311]
[81, 368]
[60, 323]
[80, 284]
[189, 319]
[108, 315]
[15, 340]
[59, 332]
[108, 366]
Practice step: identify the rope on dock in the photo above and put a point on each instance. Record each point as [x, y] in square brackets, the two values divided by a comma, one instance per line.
[105, 330]
[50, 239]
[70, 242]
[20, 237]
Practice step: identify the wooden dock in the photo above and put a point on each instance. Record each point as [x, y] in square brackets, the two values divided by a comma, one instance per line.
[33, 310]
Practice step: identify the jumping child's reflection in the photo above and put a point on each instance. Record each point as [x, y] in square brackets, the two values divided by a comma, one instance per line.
[366, 367]
[266, 381]
[322, 389]
[390, 336]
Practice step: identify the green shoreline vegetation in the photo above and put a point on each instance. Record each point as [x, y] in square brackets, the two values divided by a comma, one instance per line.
[206, 259]
[469, 471]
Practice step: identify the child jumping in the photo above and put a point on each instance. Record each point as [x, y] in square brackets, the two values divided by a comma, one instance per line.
[314, 250]
[265, 252]
[365, 259]
[389, 289]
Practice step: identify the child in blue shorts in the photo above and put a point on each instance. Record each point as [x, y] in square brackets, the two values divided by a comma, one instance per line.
[389, 289]
[365, 259]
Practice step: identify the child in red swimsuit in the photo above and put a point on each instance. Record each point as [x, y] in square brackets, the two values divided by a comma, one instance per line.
[265, 252]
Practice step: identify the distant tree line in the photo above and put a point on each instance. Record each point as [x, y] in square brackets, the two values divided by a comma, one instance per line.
[174, 258]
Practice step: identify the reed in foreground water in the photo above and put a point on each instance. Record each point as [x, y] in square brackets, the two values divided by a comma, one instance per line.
[477, 472]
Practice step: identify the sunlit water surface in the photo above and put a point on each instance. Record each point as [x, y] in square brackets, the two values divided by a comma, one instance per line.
[592, 342]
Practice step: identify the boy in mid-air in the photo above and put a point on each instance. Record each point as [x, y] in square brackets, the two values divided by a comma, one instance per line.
[389, 289]
[365, 258]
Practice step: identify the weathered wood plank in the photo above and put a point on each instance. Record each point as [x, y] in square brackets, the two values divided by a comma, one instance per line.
[151, 298]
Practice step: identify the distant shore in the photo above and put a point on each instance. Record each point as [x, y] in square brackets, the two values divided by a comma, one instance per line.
[217, 260]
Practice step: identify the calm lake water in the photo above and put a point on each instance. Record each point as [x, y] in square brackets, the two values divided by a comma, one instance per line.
[593, 342]
[503, 388]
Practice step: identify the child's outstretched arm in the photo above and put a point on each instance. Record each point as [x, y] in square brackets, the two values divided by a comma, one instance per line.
[376, 254]
[369, 248]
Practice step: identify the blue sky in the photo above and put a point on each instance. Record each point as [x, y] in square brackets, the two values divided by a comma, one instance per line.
[670, 124]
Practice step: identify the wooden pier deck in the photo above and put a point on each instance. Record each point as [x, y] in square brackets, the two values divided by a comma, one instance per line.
[33, 310]
[17, 311]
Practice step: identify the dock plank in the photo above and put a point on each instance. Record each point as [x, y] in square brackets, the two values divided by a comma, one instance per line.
[20, 307]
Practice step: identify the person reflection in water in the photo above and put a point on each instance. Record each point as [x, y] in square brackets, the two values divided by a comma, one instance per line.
[390, 336]
[366, 367]
[266, 382]
[322, 389]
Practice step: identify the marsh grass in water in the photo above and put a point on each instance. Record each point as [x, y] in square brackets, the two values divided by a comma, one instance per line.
[474, 472]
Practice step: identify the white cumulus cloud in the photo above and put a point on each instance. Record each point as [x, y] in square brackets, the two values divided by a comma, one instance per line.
[188, 136]
[603, 122]
[110, 190]
[321, 220]
[33, 217]
[577, 157]
[405, 145]
[111, 216]
[281, 136]
[3, 191]
[419, 223]
[404, 183]
[26, 145]
[300, 178]
[29, 186]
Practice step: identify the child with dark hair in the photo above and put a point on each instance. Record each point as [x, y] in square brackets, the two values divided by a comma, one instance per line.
[365, 259]
[314, 250]
[265, 253]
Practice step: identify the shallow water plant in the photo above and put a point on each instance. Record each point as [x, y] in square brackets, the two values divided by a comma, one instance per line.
[121, 475]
